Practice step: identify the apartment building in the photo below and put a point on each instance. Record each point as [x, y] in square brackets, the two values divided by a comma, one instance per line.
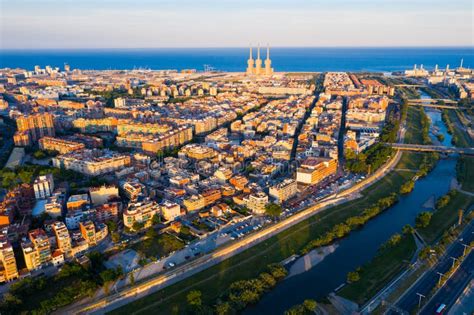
[211, 196]
[103, 194]
[8, 267]
[314, 169]
[92, 233]
[284, 190]
[194, 203]
[54, 204]
[141, 212]
[77, 202]
[63, 239]
[32, 127]
[256, 202]
[43, 186]
[170, 210]
[92, 162]
[36, 249]
[132, 190]
[59, 145]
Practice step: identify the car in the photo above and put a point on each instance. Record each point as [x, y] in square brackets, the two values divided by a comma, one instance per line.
[171, 264]
[187, 257]
[440, 310]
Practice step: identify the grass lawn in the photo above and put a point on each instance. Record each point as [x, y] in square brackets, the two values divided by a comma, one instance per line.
[215, 280]
[384, 267]
[445, 217]
[410, 161]
[465, 171]
[159, 246]
[465, 167]
[414, 133]
[461, 136]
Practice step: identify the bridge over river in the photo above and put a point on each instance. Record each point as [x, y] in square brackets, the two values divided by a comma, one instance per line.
[431, 148]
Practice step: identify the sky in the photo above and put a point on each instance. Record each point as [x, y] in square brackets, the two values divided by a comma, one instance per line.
[42, 24]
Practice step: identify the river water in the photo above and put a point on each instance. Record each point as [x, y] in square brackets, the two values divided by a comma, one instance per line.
[362, 245]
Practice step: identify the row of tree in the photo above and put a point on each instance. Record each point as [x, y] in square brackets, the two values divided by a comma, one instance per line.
[239, 294]
[306, 308]
[392, 242]
[342, 229]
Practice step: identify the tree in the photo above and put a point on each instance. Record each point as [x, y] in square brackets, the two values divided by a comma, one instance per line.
[408, 229]
[268, 280]
[394, 240]
[156, 219]
[224, 309]
[353, 276]
[110, 275]
[407, 187]
[423, 219]
[310, 305]
[272, 209]
[137, 226]
[39, 154]
[307, 307]
[96, 258]
[111, 225]
[115, 237]
[194, 298]
[151, 233]
[277, 271]
[444, 200]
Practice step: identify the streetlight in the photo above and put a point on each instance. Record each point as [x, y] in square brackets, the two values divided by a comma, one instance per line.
[464, 250]
[420, 296]
[440, 277]
[454, 260]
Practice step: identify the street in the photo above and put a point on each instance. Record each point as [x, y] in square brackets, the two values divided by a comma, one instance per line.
[453, 288]
[410, 300]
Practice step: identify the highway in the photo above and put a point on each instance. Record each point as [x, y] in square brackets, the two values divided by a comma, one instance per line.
[453, 288]
[409, 301]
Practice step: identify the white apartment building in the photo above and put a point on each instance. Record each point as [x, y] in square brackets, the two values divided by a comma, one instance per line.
[256, 202]
[43, 186]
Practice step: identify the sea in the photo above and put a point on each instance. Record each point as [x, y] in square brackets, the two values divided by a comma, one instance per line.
[234, 59]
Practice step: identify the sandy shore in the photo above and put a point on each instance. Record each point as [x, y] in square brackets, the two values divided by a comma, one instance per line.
[310, 260]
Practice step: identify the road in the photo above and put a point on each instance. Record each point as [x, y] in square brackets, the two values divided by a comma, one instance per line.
[409, 301]
[465, 303]
[453, 288]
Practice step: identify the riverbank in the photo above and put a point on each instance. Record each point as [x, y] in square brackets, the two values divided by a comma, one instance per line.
[311, 259]
[465, 167]
[388, 263]
[446, 216]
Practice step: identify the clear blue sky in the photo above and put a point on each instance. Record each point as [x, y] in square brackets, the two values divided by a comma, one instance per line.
[230, 23]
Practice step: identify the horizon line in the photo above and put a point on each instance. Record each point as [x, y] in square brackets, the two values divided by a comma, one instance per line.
[227, 47]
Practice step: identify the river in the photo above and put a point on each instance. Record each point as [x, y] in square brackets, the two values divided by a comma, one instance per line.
[361, 246]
